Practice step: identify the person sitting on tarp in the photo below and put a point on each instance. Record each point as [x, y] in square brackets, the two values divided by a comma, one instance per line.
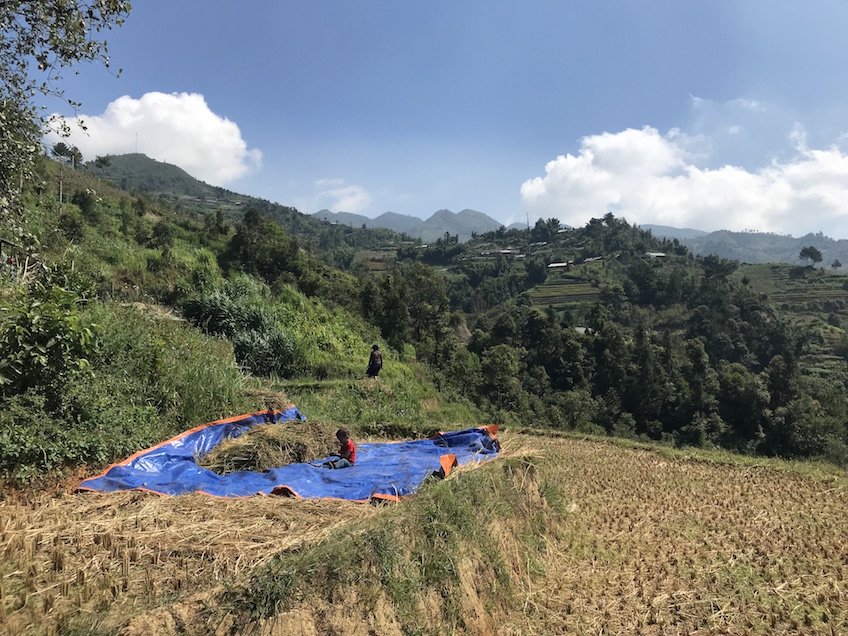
[375, 362]
[347, 451]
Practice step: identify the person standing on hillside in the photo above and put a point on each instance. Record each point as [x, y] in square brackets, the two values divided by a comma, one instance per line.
[375, 362]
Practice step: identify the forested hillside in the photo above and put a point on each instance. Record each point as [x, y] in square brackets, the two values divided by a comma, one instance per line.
[637, 337]
[765, 247]
[151, 180]
[127, 319]
[601, 329]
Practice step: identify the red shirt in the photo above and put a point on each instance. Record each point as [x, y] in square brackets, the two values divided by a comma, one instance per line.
[348, 451]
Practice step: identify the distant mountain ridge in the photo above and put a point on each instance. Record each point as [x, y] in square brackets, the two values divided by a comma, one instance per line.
[461, 224]
[754, 247]
[666, 231]
[139, 172]
[763, 247]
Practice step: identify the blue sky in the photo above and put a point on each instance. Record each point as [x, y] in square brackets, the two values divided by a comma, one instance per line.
[713, 115]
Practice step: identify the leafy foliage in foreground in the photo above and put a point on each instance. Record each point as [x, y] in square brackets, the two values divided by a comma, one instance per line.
[44, 341]
[145, 379]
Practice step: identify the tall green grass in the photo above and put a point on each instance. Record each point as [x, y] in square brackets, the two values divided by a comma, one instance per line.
[284, 335]
[190, 378]
[413, 551]
[151, 378]
[397, 405]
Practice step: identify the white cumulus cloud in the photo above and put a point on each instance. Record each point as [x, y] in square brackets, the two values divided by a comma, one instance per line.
[178, 128]
[647, 177]
[747, 104]
[339, 196]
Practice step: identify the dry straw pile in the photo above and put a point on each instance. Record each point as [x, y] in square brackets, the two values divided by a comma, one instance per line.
[266, 447]
[633, 543]
[117, 554]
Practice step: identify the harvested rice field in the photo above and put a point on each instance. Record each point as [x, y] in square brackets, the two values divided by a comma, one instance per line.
[623, 540]
[111, 555]
[653, 545]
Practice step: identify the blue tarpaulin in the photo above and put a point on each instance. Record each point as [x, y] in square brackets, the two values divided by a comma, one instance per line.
[385, 471]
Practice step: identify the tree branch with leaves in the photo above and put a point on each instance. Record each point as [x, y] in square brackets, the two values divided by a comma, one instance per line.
[39, 39]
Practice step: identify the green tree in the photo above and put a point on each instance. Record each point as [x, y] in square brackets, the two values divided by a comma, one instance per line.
[742, 402]
[69, 155]
[390, 310]
[411, 305]
[428, 301]
[60, 150]
[86, 201]
[44, 340]
[163, 234]
[500, 367]
[220, 224]
[612, 357]
[810, 254]
[261, 247]
[39, 39]
[537, 271]
[836, 264]
[457, 367]
[70, 225]
[781, 378]
[702, 378]
[716, 267]
[545, 230]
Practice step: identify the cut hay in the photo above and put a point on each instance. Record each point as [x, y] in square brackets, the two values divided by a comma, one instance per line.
[272, 446]
[268, 398]
[69, 556]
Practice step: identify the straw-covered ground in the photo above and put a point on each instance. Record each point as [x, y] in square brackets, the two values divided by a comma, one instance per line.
[107, 556]
[559, 535]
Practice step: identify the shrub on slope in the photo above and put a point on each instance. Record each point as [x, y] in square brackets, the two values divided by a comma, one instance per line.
[145, 379]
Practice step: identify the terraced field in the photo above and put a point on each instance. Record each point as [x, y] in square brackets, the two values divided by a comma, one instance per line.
[799, 289]
[378, 260]
[564, 291]
[560, 536]
[812, 299]
[657, 545]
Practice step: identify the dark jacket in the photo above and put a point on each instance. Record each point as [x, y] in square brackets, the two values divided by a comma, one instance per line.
[375, 363]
